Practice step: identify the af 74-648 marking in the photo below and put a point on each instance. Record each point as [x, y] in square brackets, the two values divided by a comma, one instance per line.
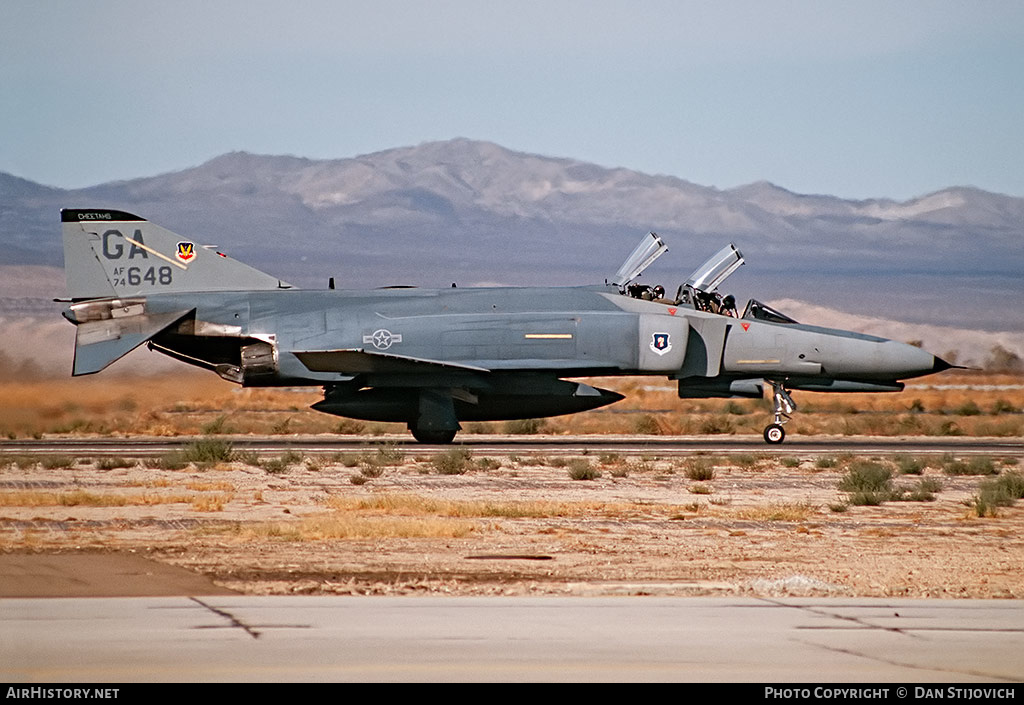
[434, 357]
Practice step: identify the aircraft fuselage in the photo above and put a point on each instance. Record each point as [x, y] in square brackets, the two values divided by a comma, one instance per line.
[273, 338]
[434, 357]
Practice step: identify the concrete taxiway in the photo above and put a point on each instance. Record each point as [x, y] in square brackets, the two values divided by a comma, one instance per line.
[240, 638]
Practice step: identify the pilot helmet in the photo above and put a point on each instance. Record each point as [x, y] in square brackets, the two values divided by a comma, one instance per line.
[729, 301]
[659, 291]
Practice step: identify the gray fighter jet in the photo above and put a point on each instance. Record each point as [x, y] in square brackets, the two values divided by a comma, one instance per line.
[432, 358]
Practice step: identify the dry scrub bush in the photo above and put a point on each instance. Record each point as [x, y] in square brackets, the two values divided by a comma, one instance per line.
[581, 469]
[999, 492]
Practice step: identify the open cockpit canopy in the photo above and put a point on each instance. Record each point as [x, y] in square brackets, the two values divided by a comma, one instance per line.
[651, 247]
[707, 277]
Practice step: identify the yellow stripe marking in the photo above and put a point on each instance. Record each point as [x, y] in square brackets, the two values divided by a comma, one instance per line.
[548, 336]
[757, 362]
[150, 250]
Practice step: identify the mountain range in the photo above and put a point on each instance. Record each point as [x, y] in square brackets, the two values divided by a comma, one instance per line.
[476, 213]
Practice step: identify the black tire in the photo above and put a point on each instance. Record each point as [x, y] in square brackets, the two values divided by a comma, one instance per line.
[774, 434]
[435, 437]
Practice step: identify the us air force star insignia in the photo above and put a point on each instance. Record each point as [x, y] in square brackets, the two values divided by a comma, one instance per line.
[382, 338]
[661, 343]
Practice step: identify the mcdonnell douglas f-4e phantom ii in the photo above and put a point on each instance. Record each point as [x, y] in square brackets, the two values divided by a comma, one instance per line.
[432, 358]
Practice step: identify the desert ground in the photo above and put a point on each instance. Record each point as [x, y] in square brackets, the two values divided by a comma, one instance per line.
[388, 518]
[391, 522]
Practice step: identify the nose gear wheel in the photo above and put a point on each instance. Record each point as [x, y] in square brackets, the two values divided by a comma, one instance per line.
[784, 407]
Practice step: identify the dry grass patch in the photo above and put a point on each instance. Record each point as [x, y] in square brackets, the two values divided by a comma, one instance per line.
[342, 526]
[151, 483]
[83, 498]
[36, 498]
[211, 502]
[781, 511]
[388, 515]
[415, 505]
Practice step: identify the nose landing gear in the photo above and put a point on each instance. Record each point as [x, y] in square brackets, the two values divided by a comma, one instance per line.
[784, 407]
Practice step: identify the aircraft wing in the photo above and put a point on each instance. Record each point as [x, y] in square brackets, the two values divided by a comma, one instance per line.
[357, 361]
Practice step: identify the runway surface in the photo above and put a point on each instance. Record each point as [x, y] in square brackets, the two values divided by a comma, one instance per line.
[552, 445]
[238, 638]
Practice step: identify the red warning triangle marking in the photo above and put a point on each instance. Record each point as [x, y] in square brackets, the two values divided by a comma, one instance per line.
[746, 326]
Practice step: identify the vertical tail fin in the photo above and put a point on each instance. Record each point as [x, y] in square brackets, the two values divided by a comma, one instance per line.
[113, 253]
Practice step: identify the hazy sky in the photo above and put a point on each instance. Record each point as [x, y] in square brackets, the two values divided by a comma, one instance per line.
[893, 98]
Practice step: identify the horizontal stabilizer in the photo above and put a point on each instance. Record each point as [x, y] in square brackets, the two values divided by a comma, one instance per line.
[98, 343]
[359, 361]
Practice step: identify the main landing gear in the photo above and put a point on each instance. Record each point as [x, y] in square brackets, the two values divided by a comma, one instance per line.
[784, 407]
[438, 437]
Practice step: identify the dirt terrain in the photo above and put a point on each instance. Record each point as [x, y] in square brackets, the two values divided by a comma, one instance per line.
[390, 521]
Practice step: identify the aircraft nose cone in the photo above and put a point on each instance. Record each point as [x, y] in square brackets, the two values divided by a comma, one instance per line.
[912, 361]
